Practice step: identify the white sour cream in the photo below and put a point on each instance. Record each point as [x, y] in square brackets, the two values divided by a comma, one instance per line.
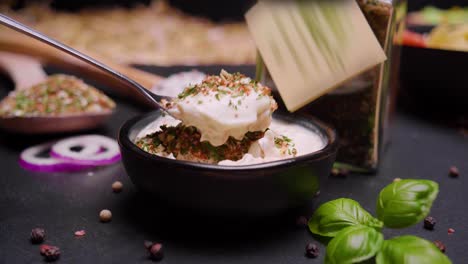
[217, 120]
[175, 83]
[304, 141]
[225, 106]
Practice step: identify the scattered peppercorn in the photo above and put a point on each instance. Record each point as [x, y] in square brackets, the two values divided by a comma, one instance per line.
[450, 231]
[105, 216]
[429, 223]
[156, 251]
[37, 235]
[317, 194]
[42, 249]
[301, 221]
[312, 250]
[334, 172]
[50, 253]
[80, 233]
[453, 172]
[148, 244]
[440, 245]
[117, 187]
[341, 172]
[344, 172]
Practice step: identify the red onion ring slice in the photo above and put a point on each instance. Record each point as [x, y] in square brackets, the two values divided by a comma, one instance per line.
[30, 161]
[108, 150]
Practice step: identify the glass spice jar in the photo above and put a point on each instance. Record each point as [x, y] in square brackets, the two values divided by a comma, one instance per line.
[361, 109]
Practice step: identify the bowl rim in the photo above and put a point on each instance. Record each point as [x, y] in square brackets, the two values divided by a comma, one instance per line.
[329, 149]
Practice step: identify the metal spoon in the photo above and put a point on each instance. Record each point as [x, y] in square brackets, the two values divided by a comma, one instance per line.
[26, 72]
[53, 124]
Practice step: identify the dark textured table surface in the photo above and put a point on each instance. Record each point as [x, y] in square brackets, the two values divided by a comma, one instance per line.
[64, 203]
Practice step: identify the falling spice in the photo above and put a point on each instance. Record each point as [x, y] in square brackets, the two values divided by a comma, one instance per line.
[429, 223]
[37, 235]
[360, 109]
[105, 216]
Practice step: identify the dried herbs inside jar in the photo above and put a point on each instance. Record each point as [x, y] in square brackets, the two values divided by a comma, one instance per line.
[359, 109]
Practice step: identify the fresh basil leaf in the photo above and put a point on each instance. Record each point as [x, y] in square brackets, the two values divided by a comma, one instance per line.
[333, 216]
[354, 244]
[406, 202]
[408, 250]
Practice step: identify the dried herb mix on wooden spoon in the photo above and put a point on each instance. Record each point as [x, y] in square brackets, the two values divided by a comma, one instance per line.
[58, 95]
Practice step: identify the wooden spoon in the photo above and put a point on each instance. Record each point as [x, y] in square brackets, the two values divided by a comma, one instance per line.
[18, 43]
[26, 72]
[62, 123]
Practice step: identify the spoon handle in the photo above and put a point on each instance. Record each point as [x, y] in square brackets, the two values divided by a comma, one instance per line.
[15, 25]
[19, 43]
[24, 71]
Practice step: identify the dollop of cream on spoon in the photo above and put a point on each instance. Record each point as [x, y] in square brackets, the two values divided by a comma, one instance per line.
[228, 105]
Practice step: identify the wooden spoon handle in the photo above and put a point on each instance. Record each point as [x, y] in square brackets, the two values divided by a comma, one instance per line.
[24, 71]
[18, 43]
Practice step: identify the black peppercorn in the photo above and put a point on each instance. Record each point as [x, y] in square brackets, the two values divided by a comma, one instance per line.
[341, 172]
[148, 244]
[301, 221]
[450, 231]
[344, 173]
[312, 250]
[156, 251]
[51, 253]
[334, 172]
[440, 245]
[317, 194]
[453, 172]
[429, 223]
[37, 235]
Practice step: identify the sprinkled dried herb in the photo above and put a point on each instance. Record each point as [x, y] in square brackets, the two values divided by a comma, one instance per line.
[285, 145]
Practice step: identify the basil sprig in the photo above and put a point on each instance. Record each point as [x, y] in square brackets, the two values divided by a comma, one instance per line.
[331, 217]
[406, 202]
[354, 244]
[410, 249]
[357, 234]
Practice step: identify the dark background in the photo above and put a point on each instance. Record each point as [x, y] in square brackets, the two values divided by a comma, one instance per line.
[63, 203]
[217, 10]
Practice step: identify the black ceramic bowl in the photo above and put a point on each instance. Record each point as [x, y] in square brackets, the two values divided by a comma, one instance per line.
[254, 189]
[433, 80]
